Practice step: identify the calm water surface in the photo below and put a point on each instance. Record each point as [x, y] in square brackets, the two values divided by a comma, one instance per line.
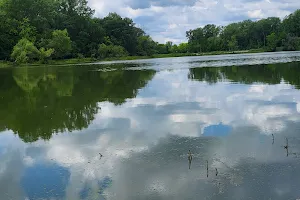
[239, 115]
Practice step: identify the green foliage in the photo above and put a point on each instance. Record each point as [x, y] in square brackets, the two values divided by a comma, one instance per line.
[27, 31]
[145, 46]
[161, 49]
[45, 54]
[272, 41]
[122, 32]
[68, 27]
[169, 46]
[61, 43]
[9, 35]
[174, 48]
[24, 51]
[183, 48]
[77, 7]
[291, 43]
[214, 44]
[266, 33]
[233, 44]
[111, 51]
[291, 24]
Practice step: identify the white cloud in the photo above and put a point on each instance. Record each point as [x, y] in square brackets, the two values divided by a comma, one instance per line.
[256, 14]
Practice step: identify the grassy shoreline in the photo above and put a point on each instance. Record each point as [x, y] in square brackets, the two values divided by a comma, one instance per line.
[5, 64]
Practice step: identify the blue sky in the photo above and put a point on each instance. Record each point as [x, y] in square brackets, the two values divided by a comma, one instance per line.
[168, 20]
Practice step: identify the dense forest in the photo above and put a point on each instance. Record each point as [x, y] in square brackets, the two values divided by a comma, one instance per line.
[268, 34]
[40, 30]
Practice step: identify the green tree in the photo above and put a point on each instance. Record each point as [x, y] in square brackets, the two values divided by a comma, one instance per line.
[76, 7]
[196, 40]
[272, 41]
[145, 46]
[27, 31]
[291, 24]
[267, 26]
[211, 30]
[232, 44]
[41, 14]
[183, 48]
[45, 55]
[110, 51]
[103, 51]
[9, 35]
[117, 51]
[169, 46]
[214, 44]
[24, 52]
[122, 32]
[161, 49]
[61, 43]
[229, 32]
[291, 43]
[174, 48]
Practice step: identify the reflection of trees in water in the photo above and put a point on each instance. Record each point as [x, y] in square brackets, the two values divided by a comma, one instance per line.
[269, 74]
[37, 102]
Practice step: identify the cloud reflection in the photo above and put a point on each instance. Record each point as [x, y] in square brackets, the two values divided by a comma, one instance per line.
[144, 143]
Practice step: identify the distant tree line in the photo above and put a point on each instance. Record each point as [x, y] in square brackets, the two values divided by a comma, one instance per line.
[268, 34]
[40, 30]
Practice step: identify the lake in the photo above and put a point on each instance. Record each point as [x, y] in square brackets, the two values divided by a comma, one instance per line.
[124, 129]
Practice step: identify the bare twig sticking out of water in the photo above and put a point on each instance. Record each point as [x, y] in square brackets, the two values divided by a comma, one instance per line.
[190, 158]
[273, 138]
[207, 168]
[217, 172]
[287, 147]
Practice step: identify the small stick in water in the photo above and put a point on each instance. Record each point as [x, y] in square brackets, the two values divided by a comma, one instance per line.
[207, 168]
[190, 158]
[287, 147]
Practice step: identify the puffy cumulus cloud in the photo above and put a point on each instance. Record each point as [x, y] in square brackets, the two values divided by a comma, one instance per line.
[168, 20]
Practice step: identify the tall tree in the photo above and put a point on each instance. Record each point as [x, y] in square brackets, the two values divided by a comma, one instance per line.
[61, 43]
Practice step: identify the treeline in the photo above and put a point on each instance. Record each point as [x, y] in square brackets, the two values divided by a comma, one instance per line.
[40, 30]
[34, 30]
[268, 34]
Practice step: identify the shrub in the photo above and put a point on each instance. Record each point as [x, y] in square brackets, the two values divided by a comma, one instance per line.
[24, 51]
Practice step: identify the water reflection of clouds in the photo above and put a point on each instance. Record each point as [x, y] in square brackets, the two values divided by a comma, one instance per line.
[197, 102]
[11, 166]
[143, 160]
